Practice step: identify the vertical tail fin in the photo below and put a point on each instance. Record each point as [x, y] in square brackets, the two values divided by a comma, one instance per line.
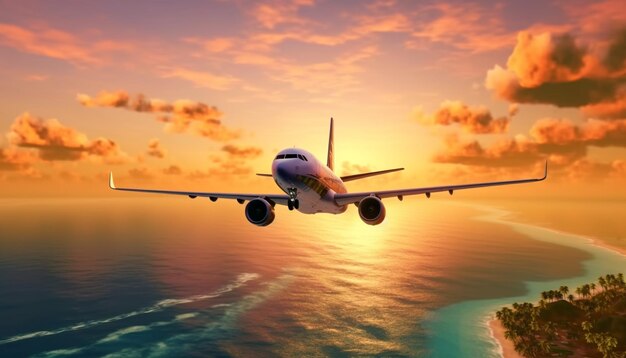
[330, 162]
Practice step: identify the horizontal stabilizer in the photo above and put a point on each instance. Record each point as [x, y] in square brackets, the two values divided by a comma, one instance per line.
[264, 175]
[370, 174]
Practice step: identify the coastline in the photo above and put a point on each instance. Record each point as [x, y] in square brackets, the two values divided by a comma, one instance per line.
[510, 217]
[507, 350]
[472, 320]
[503, 216]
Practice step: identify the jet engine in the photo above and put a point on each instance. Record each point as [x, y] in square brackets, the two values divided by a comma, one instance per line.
[371, 210]
[260, 212]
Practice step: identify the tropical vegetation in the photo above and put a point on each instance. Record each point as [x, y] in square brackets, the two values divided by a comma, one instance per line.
[588, 322]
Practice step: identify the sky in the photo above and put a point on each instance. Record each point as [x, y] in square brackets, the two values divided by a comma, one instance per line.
[200, 95]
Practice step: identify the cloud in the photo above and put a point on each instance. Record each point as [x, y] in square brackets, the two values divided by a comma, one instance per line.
[595, 17]
[352, 168]
[242, 152]
[222, 168]
[58, 44]
[614, 109]
[54, 141]
[202, 78]
[463, 26]
[478, 120]
[12, 159]
[180, 116]
[141, 173]
[155, 149]
[557, 139]
[555, 69]
[272, 14]
[172, 170]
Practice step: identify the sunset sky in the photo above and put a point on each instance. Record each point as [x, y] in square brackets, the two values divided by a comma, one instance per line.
[201, 95]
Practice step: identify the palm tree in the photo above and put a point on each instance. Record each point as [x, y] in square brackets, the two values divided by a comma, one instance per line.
[602, 282]
[564, 290]
[593, 287]
[570, 298]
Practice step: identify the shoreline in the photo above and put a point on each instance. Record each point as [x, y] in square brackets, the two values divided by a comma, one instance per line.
[506, 348]
[515, 218]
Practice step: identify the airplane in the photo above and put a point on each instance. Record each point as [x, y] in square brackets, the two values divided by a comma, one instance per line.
[311, 187]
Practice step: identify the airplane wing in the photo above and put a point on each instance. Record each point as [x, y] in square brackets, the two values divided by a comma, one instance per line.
[350, 198]
[281, 199]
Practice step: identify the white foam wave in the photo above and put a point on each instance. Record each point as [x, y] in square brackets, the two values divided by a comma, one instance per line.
[159, 306]
[128, 330]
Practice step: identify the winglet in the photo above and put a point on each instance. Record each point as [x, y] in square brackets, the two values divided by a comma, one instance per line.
[111, 182]
[545, 173]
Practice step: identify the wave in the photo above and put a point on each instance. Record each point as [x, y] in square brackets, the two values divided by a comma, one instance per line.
[159, 306]
[180, 343]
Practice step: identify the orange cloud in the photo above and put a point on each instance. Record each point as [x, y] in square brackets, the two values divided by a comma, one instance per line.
[141, 173]
[155, 149]
[272, 14]
[202, 79]
[560, 140]
[556, 69]
[608, 109]
[469, 27]
[352, 168]
[172, 170]
[222, 168]
[54, 141]
[12, 159]
[242, 152]
[477, 120]
[180, 116]
[595, 16]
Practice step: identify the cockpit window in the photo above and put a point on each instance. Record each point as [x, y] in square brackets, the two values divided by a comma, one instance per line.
[291, 156]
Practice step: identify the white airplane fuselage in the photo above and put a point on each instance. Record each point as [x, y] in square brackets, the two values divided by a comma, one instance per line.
[315, 184]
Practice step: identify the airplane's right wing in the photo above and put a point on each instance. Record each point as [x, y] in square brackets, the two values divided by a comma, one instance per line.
[281, 199]
[350, 198]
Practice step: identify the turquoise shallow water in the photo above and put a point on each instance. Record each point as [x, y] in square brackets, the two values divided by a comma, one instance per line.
[159, 277]
[461, 329]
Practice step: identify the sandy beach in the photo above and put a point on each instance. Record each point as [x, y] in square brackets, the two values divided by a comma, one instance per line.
[508, 351]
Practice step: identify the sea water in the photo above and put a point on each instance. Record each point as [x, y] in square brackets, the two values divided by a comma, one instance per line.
[171, 277]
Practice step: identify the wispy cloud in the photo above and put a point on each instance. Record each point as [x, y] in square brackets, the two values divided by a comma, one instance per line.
[59, 44]
[202, 78]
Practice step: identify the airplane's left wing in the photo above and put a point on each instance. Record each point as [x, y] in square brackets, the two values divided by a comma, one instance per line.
[350, 198]
[240, 197]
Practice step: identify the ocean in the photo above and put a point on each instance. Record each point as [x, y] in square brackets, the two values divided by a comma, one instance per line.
[152, 277]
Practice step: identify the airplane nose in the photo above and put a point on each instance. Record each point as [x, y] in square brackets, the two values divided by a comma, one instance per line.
[282, 172]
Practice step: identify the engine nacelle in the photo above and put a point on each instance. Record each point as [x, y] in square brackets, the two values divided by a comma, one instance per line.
[371, 210]
[260, 212]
